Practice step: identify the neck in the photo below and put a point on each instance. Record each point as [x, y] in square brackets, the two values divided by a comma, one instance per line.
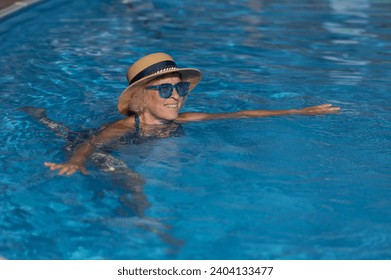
[147, 118]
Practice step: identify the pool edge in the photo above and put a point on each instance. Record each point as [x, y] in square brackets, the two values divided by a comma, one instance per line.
[17, 6]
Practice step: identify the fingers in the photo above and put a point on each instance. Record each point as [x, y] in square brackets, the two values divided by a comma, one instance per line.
[67, 169]
[325, 107]
[53, 166]
[84, 170]
[321, 109]
[329, 108]
[335, 109]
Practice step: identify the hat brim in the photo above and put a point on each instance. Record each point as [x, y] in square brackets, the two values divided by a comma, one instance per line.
[191, 75]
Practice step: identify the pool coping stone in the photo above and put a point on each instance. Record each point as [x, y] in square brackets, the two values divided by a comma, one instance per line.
[13, 6]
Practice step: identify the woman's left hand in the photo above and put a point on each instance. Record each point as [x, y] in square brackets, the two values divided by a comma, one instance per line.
[319, 110]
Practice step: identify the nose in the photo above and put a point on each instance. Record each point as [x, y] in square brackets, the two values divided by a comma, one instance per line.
[175, 94]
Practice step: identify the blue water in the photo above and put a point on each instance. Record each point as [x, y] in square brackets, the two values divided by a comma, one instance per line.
[296, 187]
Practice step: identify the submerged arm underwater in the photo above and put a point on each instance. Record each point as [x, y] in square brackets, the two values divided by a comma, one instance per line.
[79, 157]
[88, 149]
[133, 199]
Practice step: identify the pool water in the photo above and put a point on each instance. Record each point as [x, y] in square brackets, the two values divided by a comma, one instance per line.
[294, 187]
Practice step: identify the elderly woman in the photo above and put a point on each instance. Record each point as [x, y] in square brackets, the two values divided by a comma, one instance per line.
[156, 92]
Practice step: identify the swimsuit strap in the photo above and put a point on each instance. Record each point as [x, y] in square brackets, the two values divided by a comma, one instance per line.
[137, 124]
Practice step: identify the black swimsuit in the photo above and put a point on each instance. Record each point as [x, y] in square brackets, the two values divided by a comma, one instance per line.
[170, 129]
[137, 129]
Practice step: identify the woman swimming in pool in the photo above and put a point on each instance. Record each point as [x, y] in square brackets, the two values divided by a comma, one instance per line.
[157, 90]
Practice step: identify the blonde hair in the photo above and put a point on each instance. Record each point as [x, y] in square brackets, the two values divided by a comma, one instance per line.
[137, 101]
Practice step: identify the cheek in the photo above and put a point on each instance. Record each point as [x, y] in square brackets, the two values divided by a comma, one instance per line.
[149, 99]
[153, 102]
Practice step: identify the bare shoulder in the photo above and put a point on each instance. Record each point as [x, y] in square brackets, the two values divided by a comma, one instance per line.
[114, 130]
[126, 123]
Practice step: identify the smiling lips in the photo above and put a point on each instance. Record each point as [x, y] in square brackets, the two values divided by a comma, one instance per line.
[171, 106]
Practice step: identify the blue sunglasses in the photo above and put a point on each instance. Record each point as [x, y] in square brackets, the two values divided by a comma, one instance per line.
[165, 90]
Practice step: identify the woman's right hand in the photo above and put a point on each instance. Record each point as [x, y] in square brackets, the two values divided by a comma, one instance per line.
[67, 168]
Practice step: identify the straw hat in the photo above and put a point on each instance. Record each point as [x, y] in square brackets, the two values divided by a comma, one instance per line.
[150, 67]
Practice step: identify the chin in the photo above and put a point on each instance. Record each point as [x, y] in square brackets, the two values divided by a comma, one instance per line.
[167, 114]
[171, 117]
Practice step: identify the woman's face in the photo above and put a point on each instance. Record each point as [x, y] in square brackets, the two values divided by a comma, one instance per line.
[158, 109]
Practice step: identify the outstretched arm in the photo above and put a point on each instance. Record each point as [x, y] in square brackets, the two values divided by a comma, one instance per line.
[84, 150]
[314, 110]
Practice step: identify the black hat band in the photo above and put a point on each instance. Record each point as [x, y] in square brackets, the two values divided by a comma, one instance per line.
[153, 69]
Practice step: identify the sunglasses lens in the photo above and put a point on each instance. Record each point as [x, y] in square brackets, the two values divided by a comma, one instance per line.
[165, 90]
[183, 88]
